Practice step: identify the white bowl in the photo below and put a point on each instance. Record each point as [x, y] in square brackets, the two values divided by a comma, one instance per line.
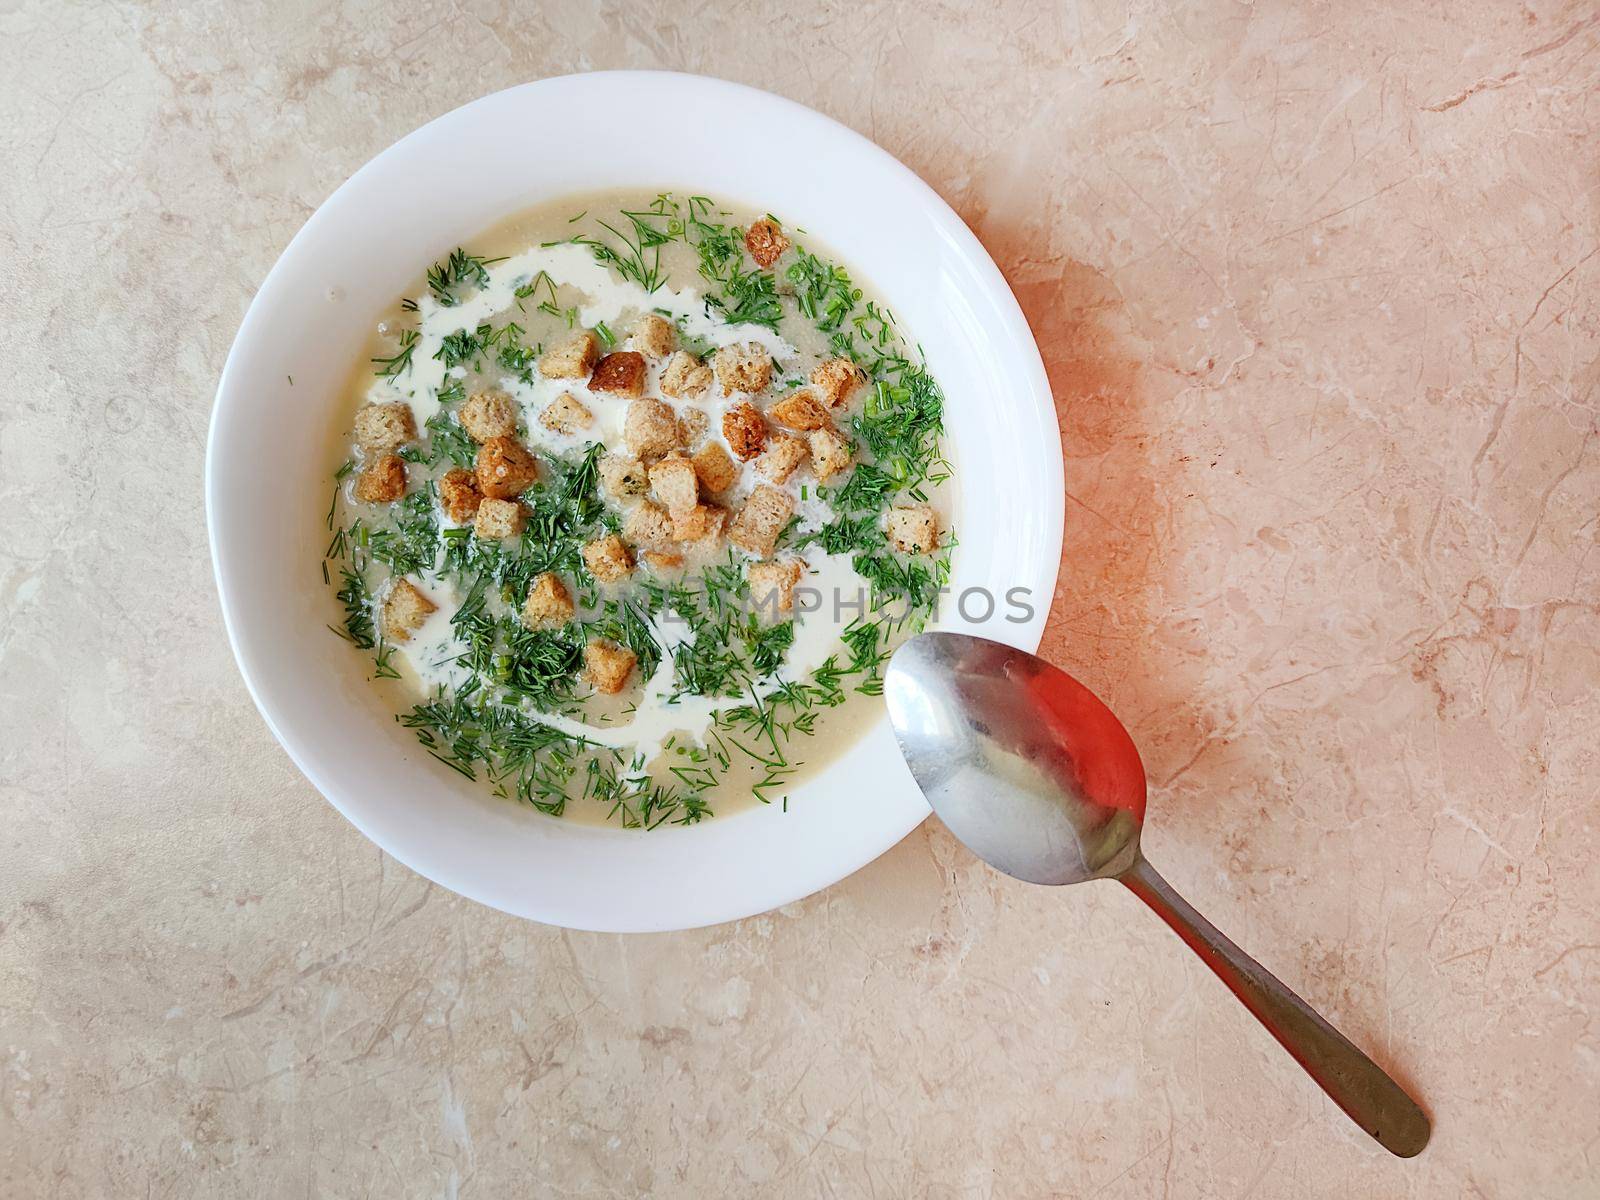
[267, 487]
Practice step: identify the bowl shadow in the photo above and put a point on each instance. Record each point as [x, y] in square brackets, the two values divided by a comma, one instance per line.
[1109, 620]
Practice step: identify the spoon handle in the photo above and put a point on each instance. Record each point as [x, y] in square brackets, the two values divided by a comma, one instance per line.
[1352, 1080]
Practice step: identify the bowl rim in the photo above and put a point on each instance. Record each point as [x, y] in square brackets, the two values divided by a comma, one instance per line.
[1040, 407]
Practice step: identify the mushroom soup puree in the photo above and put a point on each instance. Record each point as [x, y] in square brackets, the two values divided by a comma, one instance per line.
[634, 499]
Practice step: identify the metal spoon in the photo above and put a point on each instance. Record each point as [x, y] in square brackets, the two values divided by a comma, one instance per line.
[1040, 780]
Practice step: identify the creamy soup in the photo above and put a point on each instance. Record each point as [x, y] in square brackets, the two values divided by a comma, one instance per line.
[632, 501]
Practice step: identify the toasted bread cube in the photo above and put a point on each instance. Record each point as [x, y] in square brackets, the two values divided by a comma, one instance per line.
[608, 558]
[548, 603]
[836, 379]
[648, 525]
[714, 468]
[384, 427]
[772, 584]
[382, 482]
[506, 468]
[745, 430]
[830, 453]
[745, 367]
[661, 561]
[766, 242]
[715, 520]
[675, 483]
[498, 520]
[608, 665]
[697, 523]
[650, 428]
[654, 335]
[622, 475]
[459, 494]
[692, 426]
[914, 528]
[756, 527]
[572, 359]
[685, 377]
[488, 414]
[621, 373]
[565, 415]
[404, 611]
[800, 411]
[784, 454]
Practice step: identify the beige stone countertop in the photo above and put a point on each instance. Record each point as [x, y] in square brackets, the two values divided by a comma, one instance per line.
[1317, 288]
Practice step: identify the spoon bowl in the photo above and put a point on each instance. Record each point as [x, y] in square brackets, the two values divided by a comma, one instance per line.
[1023, 763]
[1037, 777]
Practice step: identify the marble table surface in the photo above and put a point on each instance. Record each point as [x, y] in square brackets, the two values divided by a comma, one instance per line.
[1316, 285]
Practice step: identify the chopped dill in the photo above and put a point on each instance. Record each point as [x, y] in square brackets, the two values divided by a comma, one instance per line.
[384, 667]
[460, 269]
[636, 258]
[531, 289]
[400, 361]
[448, 442]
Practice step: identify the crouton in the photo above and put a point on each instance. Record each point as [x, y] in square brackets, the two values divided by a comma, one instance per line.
[607, 558]
[498, 520]
[745, 429]
[382, 482]
[608, 665]
[836, 379]
[698, 522]
[784, 454]
[746, 367]
[714, 520]
[772, 585]
[622, 475]
[758, 524]
[660, 561]
[914, 528]
[685, 377]
[566, 415]
[766, 242]
[383, 427]
[675, 484]
[650, 428]
[404, 611]
[654, 336]
[800, 411]
[573, 358]
[648, 525]
[830, 453]
[506, 468]
[488, 414]
[620, 373]
[714, 468]
[692, 426]
[459, 494]
[548, 603]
